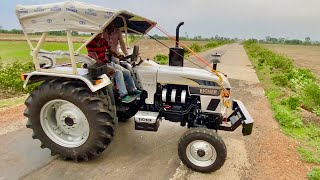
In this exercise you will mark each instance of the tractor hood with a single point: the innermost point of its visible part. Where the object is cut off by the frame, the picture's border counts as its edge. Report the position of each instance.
(188, 76)
(150, 74)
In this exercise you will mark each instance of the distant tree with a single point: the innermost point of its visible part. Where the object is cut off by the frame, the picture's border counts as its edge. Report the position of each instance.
(75, 33)
(199, 37)
(294, 41)
(16, 31)
(307, 39)
(282, 40)
(273, 40)
(268, 38)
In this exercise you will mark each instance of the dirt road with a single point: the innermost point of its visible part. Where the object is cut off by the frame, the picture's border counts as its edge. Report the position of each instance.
(266, 154)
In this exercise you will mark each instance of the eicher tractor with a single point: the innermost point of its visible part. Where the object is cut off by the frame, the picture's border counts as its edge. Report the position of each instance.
(74, 111)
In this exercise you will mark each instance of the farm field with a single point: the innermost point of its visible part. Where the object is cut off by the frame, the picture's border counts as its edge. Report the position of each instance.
(14, 46)
(303, 56)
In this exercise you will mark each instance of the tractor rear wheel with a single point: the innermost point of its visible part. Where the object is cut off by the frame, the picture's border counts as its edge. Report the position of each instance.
(202, 150)
(71, 120)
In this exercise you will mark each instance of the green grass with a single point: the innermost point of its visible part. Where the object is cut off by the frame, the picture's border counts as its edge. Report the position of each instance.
(161, 59)
(308, 155)
(12, 101)
(14, 50)
(314, 174)
(19, 50)
(288, 88)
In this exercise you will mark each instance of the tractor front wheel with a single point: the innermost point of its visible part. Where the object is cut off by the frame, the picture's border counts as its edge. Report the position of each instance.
(202, 150)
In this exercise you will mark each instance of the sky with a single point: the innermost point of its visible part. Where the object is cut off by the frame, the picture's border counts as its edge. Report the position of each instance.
(293, 19)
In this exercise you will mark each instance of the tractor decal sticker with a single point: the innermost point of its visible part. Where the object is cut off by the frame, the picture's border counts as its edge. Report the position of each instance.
(213, 104)
(23, 11)
(108, 15)
(90, 12)
(82, 22)
(72, 9)
(38, 9)
(55, 9)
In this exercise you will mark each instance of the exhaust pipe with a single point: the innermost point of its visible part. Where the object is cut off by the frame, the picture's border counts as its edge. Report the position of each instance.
(177, 33)
(176, 54)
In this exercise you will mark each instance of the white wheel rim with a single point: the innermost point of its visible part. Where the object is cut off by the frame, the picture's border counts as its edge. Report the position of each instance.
(201, 153)
(64, 123)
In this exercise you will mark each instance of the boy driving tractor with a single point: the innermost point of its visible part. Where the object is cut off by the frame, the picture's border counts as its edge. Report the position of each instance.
(97, 50)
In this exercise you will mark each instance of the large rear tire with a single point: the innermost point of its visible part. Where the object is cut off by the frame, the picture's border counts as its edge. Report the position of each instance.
(202, 150)
(71, 120)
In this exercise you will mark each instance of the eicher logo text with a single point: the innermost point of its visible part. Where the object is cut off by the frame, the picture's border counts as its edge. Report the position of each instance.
(208, 91)
(145, 120)
(205, 91)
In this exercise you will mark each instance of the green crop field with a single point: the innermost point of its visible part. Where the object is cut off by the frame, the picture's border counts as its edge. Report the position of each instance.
(19, 50)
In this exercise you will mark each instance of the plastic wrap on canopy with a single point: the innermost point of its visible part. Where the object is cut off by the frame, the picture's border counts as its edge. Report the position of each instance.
(76, 16)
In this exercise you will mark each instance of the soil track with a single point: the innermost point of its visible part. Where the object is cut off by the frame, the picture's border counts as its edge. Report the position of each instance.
(11, 119)
(266, 154)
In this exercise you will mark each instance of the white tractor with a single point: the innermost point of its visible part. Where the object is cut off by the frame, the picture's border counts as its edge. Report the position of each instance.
(74, 111)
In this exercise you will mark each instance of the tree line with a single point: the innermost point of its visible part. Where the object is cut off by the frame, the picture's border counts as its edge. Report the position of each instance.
(273, 40)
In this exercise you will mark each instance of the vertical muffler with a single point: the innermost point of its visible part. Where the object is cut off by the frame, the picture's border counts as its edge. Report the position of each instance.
(176, 54)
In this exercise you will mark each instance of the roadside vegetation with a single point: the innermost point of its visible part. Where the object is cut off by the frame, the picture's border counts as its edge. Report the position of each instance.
(292, 91)
(161, 59)
(314, 174)
(195, 47)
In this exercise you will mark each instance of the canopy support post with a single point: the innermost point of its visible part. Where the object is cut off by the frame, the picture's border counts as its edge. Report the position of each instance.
(71, 51)
(37, 49)
(136, 31)
(29, 41)
(125, 30)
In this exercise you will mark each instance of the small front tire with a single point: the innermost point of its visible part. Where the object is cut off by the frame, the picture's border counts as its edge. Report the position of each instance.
(202, 150)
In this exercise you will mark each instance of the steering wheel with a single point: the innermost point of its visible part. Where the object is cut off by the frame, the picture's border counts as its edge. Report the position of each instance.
(133, 56)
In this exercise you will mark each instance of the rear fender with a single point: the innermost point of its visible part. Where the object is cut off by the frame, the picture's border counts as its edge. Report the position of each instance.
(35, 76)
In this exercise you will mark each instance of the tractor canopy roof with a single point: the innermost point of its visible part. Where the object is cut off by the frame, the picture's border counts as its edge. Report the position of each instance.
(77, 16)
